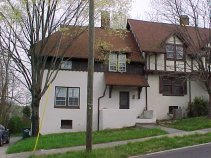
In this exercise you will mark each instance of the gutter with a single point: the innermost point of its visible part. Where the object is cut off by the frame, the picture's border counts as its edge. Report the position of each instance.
(98, 108)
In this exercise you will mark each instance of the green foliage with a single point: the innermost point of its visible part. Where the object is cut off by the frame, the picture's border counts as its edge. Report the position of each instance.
(16, 124)
(199, 107)
(191, 124)
(138, 148)
(75, 139)
(26, 112)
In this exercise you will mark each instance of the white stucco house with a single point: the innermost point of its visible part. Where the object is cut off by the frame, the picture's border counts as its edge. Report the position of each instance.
(169, 64)
(138, 78)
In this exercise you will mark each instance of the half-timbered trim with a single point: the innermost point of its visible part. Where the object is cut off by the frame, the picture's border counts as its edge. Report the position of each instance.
(156, 62)
(165, 62)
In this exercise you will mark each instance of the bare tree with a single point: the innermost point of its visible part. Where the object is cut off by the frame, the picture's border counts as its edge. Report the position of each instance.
(9, 91)
(28, 26)
(197, 37)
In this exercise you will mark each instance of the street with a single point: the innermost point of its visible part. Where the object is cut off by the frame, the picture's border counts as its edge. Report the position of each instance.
(201, 151)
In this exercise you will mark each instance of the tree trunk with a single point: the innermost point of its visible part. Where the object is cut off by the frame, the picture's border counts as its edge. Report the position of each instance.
(35, 116)
(209, 107)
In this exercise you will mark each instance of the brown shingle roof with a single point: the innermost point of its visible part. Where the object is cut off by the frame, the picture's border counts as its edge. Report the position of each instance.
(113, 40)
(151, 35)
(124, 79)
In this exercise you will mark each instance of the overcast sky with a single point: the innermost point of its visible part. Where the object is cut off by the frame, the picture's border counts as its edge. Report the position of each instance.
(139, 9)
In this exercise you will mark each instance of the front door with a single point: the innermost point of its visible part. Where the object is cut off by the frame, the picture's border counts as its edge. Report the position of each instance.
(124, 100)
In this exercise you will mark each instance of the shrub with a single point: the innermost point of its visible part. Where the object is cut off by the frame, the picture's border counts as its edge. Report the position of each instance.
(16, 124)
(199, 107)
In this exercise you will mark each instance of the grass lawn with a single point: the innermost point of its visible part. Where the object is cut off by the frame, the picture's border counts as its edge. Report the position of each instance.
(76, 139)
(131, 149)
(190, 124)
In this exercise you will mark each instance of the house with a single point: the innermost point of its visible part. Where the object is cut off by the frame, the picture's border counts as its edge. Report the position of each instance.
(169, 60)
(119, 81)
(140, 75)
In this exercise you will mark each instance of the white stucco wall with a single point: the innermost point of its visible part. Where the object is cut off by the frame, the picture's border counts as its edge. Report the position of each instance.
(117, 118)
(53, 116)
(160, 103)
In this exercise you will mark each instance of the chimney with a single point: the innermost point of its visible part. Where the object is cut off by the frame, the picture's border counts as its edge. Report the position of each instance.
(184, 20)
(105, 19)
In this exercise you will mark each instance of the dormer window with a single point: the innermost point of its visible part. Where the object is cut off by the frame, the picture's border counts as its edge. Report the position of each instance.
(174, 52)
(117, 62)
(174, 49)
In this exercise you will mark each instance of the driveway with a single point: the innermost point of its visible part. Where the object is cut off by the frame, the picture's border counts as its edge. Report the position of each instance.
(3, 148)
(198, 151)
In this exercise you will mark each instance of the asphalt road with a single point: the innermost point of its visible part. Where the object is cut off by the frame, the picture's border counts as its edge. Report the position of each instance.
(201, 151)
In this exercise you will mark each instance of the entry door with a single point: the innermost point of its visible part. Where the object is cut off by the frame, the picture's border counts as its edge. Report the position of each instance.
(124, 100)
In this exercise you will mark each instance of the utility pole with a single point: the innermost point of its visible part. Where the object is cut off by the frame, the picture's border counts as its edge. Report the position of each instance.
(90, 78)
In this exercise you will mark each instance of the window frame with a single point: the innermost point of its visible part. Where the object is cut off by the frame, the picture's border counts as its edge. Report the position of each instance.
(67, 106)
(118, 62)
(70, 126)
(63, 63)
(122, 61)
(172, 83)
(113, 63)
(175, 55)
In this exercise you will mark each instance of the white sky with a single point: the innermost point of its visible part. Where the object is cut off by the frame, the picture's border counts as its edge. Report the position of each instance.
(139, 9)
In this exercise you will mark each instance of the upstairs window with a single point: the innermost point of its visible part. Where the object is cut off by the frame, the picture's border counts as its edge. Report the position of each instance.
(66, 65)
(174, 52)
(113, 62)
(171, 86)
(174, 49)
(122, 63)
(67, 97)
(117, 62)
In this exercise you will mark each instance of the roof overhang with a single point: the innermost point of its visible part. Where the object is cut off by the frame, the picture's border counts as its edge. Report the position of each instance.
(126, 80)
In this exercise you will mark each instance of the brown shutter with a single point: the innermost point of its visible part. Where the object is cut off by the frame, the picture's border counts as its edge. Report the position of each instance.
(185, 87)
(160, 85)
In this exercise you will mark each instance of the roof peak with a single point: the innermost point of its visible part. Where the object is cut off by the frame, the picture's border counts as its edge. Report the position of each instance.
(163, 23)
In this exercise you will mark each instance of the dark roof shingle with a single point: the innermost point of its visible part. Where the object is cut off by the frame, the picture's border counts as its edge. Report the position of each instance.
(151, 35)
(115, 41)
(125, 79)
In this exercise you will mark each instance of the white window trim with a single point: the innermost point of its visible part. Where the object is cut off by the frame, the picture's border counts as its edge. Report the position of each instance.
(122, 61)
(115, 60)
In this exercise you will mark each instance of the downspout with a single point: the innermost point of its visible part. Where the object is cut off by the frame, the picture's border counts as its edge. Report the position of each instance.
(146, 99)
(98, 108)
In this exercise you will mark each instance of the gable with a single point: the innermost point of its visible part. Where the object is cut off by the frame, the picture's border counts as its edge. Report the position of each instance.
(174, 40)
(151, 36)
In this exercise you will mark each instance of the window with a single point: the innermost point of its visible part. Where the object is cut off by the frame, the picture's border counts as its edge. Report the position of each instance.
(67, 97)
(61, 94)
(113, 62)
(170, 51)
(122, 63)
(66, 124)
(179, 52)
(117, 62)
(66, 65)
(172, 108)
(171, 86)
(174, 52)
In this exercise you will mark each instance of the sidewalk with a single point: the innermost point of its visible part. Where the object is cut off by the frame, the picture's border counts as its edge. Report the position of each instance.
(172, 133)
